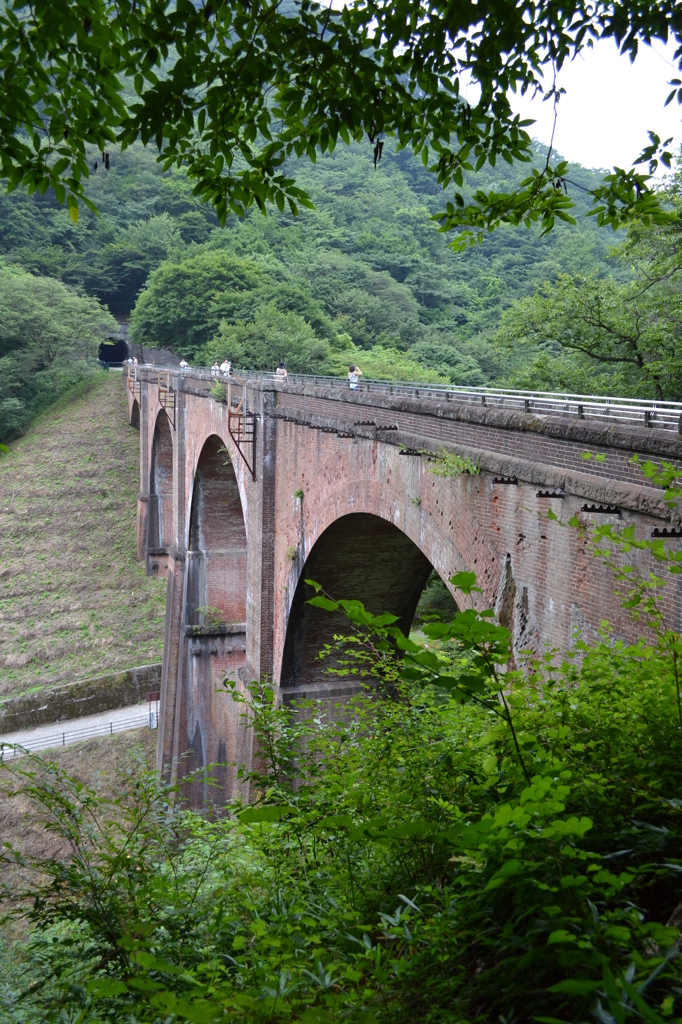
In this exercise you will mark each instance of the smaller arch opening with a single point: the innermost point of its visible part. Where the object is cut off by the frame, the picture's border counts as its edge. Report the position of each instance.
(160, 530)
(135, 415)
(217, 542)
(436, 603)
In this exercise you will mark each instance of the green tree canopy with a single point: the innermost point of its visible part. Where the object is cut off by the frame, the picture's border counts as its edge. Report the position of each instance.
(630, 332)
(231, 89)
(49, 336)
(41, 320)
(367, 262)
(181, 306)
(271, 337)
(118, 270)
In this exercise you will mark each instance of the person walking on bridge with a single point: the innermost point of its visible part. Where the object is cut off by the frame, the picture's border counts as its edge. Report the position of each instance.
(215, 369)
(281, 372)
(184, 365)
(226, 367)
(354, 373)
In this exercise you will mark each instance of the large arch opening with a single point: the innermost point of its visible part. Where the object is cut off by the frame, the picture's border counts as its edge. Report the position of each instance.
(214, 621)
(160, 522)
(360, 556)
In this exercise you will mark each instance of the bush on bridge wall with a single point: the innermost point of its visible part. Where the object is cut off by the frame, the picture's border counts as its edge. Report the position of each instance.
(479, 845)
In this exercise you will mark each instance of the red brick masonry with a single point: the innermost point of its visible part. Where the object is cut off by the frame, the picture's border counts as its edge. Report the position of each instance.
(336, 498)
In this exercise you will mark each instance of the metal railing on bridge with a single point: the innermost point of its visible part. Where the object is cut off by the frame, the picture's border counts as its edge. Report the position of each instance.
(633, 411)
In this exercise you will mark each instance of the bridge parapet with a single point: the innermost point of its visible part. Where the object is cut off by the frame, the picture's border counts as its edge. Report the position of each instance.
(635, 412)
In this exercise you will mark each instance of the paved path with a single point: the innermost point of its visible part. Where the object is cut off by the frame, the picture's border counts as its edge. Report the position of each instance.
(62, 734)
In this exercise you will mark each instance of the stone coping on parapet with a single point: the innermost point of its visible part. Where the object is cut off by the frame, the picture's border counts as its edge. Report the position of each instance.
(643, 498)
(648, 440)
(604, 491)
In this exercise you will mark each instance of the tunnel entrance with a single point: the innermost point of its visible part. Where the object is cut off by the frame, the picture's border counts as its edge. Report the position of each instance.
(362, 557)
(113, 351)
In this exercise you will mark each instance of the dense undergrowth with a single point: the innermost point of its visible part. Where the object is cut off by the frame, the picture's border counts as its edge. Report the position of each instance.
(467, 843)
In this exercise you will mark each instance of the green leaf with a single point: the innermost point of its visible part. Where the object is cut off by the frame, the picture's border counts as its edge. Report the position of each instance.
(619, 933)
(72, 205)
(408, 828)
(471, 684)
(315, 1015)
(271, 812)
(336, 821)
(145, 984)
(511, 867)
(323, 602)
(575, 987)
(105, 988)
(466, 582)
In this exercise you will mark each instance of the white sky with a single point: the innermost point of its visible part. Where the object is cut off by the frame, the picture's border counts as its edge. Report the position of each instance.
(609, 106)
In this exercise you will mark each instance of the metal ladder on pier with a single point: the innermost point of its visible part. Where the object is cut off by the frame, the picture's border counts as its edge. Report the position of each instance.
(241, 426)
(167, 395)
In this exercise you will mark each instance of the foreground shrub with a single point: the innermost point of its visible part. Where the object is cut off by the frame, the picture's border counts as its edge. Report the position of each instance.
(464, 843)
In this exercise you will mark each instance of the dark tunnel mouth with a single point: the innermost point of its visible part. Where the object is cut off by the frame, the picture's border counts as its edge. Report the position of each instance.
(113, 352)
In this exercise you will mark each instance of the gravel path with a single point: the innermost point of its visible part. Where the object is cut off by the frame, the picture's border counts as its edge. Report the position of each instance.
(63, 734)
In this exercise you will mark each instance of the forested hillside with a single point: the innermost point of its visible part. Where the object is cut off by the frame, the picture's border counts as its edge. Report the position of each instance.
(365, 276)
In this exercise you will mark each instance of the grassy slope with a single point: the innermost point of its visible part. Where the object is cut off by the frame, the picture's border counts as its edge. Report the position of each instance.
(74, 601)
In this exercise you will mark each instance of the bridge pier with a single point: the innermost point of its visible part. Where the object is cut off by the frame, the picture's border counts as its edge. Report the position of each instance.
(171, 671)
(142, 526)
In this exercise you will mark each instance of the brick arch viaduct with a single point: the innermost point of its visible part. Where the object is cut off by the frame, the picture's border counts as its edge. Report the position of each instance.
(242, 500)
